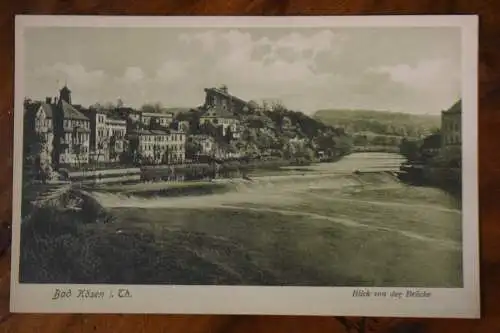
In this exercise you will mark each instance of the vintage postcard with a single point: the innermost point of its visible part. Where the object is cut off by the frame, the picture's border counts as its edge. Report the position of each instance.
(246, 165)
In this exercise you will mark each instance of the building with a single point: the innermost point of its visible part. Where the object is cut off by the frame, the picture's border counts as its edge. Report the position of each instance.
(162, 146)
(236, 131)
(451, 133)
(38, 138)
(219, 110)
(43, 125)
(222, 109)
(117, 130)
(220, 97)
(71, 131)
(223, 121)
(156, 119)
(184, 125)
(206, 144)
(107, 139)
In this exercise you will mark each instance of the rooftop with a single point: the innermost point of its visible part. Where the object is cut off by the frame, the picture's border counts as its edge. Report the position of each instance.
(48, 109)
(69, 112)
(158, 114)
(456, 108)
(154, 132)
(224, 92)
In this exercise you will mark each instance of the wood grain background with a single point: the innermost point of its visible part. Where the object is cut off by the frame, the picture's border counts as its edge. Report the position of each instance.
(489, 158)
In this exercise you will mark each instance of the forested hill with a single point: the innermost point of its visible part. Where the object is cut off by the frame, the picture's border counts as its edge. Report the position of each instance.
(380, 122)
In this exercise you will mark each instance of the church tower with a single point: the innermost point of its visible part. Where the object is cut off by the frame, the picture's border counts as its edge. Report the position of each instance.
(65, 94)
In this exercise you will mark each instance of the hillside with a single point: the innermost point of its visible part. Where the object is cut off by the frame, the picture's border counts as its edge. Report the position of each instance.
(380, 122)
(286, 133)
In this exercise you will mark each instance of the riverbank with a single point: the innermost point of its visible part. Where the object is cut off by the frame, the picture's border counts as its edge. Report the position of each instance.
(270, 233)
(447, 179)
(331, 228)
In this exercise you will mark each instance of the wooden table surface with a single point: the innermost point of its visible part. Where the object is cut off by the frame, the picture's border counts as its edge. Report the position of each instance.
(489, 158)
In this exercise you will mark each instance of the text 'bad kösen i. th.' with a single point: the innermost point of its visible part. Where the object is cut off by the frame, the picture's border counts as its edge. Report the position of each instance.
(89, 293)
(409, 293)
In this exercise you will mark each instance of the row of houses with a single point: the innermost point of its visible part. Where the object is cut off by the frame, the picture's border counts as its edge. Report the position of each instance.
(74, 135)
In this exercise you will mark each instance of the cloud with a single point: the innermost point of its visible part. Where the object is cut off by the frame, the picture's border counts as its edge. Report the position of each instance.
(433, 84)
(172, 70)
(421, 76)
(308, 69)
(133, 75)
(260, 67)
(74, 74)
(324, 40)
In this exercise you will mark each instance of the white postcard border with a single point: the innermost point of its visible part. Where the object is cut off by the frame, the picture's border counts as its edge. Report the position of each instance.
(443, 302)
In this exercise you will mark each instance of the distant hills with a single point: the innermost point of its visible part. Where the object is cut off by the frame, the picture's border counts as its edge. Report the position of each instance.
(369, 128)
(380, 122)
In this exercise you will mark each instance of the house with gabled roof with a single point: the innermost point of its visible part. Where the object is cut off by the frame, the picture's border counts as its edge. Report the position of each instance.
(71, 131)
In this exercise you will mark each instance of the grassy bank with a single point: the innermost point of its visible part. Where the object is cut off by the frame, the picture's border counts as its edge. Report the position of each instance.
(359, 236)
(62, 248)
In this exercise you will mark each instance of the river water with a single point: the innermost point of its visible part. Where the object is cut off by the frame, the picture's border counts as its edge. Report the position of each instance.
(318, 225)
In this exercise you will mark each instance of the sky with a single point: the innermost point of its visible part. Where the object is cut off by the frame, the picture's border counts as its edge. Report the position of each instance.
(414, 70)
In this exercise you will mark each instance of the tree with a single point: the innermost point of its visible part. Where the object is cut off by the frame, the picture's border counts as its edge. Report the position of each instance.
(193, 149)
(410, 149)
(78, 152)
(360, 140)
(229, 135)
(109, 106)
(274, 105)
(152, 107)
(113, 153)
(289, 150)
(101, 147)
(96, 106)
(157, 154)
(37, 155)
(132, 155)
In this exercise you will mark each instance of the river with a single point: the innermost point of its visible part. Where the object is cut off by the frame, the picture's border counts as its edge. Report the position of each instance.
(320, 225)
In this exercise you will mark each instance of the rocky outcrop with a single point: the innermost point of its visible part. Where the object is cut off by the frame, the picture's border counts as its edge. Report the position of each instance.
(67, 201)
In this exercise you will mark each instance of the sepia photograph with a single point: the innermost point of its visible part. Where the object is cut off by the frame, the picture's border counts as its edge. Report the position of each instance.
(246, 153)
